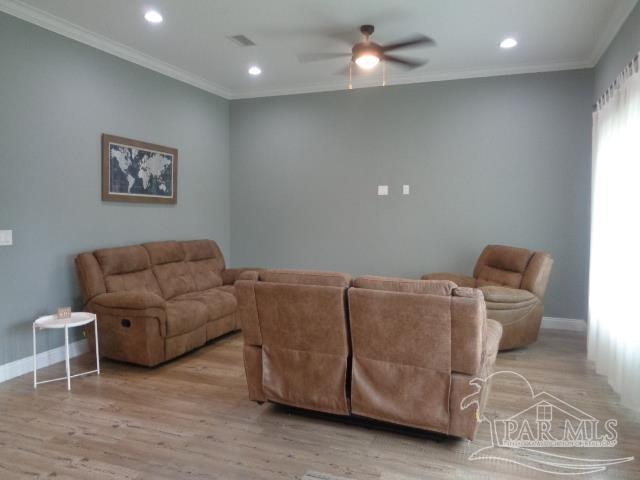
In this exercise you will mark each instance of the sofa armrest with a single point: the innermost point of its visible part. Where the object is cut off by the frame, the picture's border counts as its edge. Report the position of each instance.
(136, 300)
(460, 280)
(497, 294)
(231, 275)
(132, 306)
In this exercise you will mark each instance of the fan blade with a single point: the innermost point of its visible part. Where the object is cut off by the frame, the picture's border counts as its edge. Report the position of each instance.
(318, 57)
(409, 42)
(405, 62)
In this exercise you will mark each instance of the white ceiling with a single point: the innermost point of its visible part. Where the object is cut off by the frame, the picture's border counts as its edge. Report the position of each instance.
(191, 45)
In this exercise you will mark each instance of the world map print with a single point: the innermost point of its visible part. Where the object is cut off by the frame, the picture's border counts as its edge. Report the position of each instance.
(135, 171)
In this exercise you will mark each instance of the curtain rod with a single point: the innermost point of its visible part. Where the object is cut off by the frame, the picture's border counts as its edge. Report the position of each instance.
(618, 81)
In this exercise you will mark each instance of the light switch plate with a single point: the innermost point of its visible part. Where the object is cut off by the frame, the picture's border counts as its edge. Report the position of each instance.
(405, 189)
(383, 190)
(6, 238)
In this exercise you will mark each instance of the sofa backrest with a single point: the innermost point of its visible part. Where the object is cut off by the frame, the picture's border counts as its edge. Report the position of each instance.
(303, 326)
(167, 268)
(127, 269)
(205, 261)
(170, 269)
(408, 336)
(513, 267)
(501, 265)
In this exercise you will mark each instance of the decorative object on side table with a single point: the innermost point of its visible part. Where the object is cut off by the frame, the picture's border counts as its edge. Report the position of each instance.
(134, 171)
(64, 319)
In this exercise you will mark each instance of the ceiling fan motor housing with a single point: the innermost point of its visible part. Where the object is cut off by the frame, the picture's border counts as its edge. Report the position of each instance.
(366, 30)
(366, 48)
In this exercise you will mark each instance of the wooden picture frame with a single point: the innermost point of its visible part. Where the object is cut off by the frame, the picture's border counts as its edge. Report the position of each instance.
(140, 172)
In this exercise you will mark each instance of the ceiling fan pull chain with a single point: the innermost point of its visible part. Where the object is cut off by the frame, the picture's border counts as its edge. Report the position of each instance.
(384, 74)
(350, 84)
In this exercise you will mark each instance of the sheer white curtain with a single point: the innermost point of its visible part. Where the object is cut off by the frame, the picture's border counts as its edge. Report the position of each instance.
(614, 286)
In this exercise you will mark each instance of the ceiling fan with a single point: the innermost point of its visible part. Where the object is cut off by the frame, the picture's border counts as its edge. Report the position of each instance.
(366, 54)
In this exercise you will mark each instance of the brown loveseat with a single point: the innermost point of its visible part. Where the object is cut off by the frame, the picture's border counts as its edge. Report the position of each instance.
(513, 281)
(395, 350)
(158, 300)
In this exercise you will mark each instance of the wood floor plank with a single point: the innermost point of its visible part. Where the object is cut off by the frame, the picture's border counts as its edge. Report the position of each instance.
(191, 419)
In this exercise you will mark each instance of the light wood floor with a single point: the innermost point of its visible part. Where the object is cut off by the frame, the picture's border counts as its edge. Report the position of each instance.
(191, 419)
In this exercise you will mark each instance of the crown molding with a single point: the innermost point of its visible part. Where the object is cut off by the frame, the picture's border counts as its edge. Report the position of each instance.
(613, 26)
(406, 79)
(75, 32)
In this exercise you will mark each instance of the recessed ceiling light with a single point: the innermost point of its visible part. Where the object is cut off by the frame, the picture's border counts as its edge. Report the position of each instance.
(255, 70)
(153, 17)
(508, 43)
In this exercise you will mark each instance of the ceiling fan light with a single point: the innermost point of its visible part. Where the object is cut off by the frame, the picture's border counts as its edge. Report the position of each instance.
(508, 43)
(153, 16)
(367, 61)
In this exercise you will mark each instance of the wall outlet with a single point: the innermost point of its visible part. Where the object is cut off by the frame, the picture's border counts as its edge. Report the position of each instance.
(6, 238)
(405, 189)
(383, 190)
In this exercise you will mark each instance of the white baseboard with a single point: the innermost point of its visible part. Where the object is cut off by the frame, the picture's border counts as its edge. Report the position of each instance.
(55, 355)
(25, 365)
(556, 323)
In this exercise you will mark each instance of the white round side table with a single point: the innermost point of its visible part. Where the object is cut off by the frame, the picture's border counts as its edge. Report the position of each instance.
(77, 319)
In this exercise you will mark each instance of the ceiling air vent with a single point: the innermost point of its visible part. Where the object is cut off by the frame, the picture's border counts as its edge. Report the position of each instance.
(242, 40)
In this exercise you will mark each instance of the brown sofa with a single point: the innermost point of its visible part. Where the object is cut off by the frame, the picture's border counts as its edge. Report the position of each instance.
(395, 350)
(158, 300)
(513, 281)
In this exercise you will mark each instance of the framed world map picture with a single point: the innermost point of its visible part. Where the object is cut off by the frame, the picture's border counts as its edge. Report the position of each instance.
(134, 171)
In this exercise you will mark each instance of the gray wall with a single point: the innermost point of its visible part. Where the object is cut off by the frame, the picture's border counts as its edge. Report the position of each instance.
(622, 49)
(495, 160)
(56, 98)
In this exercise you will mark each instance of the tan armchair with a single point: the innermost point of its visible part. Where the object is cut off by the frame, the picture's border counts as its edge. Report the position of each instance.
(513, 281)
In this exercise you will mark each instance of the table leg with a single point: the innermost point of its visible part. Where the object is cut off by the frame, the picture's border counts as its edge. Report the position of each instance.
(95, 324)
(35, 359)
(66, 350)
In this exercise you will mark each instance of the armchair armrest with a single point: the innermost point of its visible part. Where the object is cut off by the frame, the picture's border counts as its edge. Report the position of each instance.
(231, 275)
(136, 300)
(460, 280)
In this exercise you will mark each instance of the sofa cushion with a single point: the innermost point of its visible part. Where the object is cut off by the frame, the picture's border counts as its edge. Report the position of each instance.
(185, 316)
(118, 260)
(217, 302)
(164, 252)
(506, 295)
(391, 284)
(170, 269)
(502, 257)
(143, 280)
(227, 289)
(306, 277)
(205, 262)
(205, 273)
(203, 250)
(502, 265)
(174, 278)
